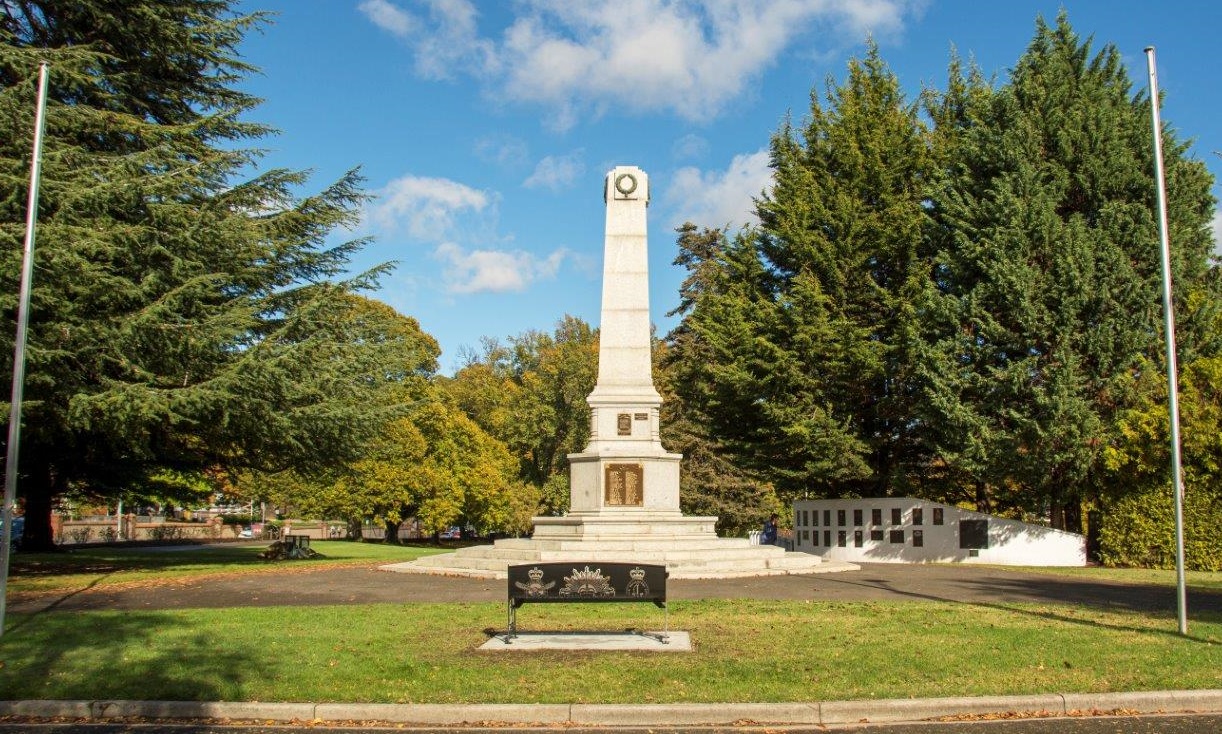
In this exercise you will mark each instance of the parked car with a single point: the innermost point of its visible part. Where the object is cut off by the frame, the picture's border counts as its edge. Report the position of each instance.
(452, 533)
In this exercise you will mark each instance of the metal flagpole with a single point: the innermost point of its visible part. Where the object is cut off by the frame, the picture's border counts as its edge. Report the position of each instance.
(1173, 405)
(23, 318)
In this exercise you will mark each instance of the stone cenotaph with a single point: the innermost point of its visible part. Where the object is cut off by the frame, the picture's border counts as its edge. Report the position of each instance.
(624, 487)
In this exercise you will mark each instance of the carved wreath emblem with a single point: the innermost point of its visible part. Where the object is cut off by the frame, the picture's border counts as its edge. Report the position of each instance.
(625, 183)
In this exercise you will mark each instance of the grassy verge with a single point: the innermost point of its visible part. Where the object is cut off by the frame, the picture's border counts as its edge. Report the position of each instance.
(97, 567)
(744, 651)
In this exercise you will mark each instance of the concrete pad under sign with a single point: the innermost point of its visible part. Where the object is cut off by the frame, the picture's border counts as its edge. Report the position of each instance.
(532, 641)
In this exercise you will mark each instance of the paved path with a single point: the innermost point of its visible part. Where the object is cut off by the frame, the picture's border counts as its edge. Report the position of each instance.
(874, 582)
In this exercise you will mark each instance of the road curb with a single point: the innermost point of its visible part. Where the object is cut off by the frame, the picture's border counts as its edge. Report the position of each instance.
(917, 709)
(677, 714)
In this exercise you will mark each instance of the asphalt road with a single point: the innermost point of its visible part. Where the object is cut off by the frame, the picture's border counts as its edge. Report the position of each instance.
(300, 586)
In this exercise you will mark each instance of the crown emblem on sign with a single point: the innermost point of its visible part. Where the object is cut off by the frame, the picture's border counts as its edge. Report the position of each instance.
(535, 574)
(636, 574)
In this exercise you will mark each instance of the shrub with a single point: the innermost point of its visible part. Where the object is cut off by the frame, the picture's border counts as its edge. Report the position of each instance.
(166, 532)
(109, 535)
(79, 535)
(1139, 529)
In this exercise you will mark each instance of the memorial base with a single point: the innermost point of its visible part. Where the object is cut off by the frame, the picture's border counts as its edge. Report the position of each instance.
(687, 546)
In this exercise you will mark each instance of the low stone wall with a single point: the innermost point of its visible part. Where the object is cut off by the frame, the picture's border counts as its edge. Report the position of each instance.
(81, 532)
(313, 531)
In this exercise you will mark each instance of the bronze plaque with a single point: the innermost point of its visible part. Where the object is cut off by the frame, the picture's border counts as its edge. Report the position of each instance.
(624, 485)
(623, 424)
(641, 416)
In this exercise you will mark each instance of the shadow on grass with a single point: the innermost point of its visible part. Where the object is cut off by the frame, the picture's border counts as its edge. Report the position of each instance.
(137, 656)
(1112, 597)
(52, 606)
(111, 559)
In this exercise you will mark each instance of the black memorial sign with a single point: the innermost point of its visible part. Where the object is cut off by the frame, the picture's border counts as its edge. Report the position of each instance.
(594, 581)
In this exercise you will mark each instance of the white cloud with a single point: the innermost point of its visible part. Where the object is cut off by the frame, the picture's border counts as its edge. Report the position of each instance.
(689, 57)
(688, 147)
(389, 17)
(556, 172)
(859, 18)
(495, 271)
(446, 40)
(503, 150)
(718, 198)
(425, 208)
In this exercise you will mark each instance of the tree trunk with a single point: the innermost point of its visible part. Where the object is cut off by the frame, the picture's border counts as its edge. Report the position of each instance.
(1071, 516)
(38, 487)
(983, 503)
(355, 528)
(392, 532)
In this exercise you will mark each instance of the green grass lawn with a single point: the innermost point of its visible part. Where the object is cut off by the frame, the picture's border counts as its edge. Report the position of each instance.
(95, 567)
(744, 651)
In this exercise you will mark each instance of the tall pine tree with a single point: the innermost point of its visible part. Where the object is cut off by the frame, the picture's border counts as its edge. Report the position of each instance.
(182, 315)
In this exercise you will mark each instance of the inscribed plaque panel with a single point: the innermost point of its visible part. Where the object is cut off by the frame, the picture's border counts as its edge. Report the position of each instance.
(624, 485)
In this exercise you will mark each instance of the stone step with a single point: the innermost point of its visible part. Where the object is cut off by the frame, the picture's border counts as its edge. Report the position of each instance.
(491, 569)
(677, 563)
(692, 553)
(676, 552)
(710, 557)
(611, 545)
(510, 554)
(451, 561)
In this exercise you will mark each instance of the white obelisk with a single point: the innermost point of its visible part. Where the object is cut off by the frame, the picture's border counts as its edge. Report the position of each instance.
(624, 482)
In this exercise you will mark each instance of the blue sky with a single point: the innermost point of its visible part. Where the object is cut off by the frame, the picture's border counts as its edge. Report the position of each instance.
(484, 127)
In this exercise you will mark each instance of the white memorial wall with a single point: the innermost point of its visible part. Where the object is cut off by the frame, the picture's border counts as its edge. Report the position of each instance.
(911, 530)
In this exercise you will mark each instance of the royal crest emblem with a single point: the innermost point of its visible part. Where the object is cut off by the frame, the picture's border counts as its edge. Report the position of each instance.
(535, 587)
(636, 585)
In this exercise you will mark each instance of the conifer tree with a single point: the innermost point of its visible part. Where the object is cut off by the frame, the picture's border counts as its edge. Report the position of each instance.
(182, 315)
(744, 364)
(958, 405)
(842, 234)
(716, 480)
(1050, 260)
